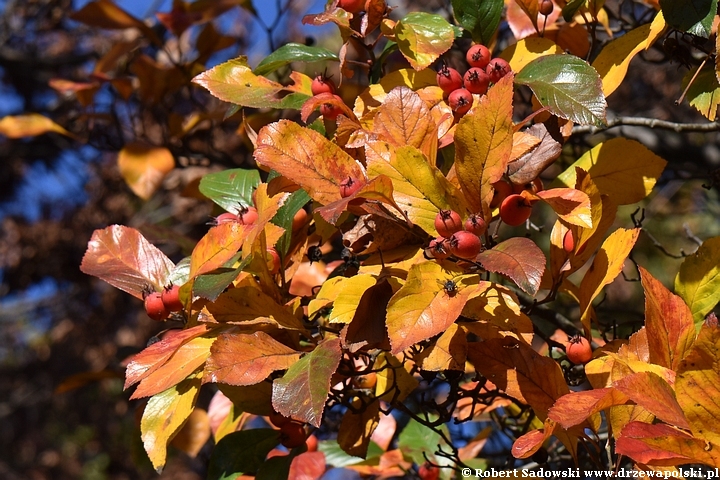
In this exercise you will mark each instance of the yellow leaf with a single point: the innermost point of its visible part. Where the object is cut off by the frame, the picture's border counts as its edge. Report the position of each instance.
(607, 265)
(496, 313)
(522, 144)
(448, 352)
(356, 428)
(144, 167)
(394, 381)
(528, 49)
(483, 143)
(164, 414)
(622, 168)
(423, 37)
(570, 204)
(657, 29)
(613, 61)
(404, 119)
(698, 281)
(375, 94)
(348, 298)
(327, 294)
(29, 125)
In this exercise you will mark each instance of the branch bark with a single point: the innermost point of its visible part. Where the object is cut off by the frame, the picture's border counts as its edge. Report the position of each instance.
(650, 123)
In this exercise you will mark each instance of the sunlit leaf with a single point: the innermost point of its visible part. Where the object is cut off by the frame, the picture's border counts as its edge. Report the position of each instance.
(422, 37)
(691, 16)
(403, 119)
(526, 445)
(480, 17)
(519, 54)
(348, 298)
(483, 143)
(704, 93)
(448, 352)
(622, 168)
(241, 452)
(302, 392)
(651, 392)
(29, 125)
(218, 246)
(698, 281)
(231, 188)
(246, 305)
(394, 381)
(163, 416)
(306, 466)
(576, 407)
(367, 328)
(144, 167)
(293, 52)
(614, 59)
(567, 85)
(519, 259)
(496, 313)
(122, 257)
(375, 94)
(661, 444)
(379, 189)
(244, 359)
(571, 205)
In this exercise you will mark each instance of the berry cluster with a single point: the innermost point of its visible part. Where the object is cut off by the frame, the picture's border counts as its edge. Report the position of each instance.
(159, 305)
(483, 71)
(458, 238)
(292, 433)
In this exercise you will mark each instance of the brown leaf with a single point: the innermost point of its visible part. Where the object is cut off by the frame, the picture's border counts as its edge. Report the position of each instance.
(662, 444)
(526, 168)
(193, 436)
(356, 428)
(668, 323)
(242, 359)
(122, 257)
(105, 14)
(520, 259)
(367, 328)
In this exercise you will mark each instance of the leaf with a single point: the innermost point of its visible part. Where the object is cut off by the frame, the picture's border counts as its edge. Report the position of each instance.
(698, 384)
(29, 125)
(422, 308)
(163, 416)
(662, 444)
(122, 257)
(519, 259)
(375, 94)
(211, 285)
(243, 359)
(526, 445)
(144, 167)
(571, 205)
(576, 407)
(423, 37)
(569, 10)
(480, 17)
(231, 188)
(526, 168)
(241, 452)
(698, 281)
(247, 305)
(254, 399)
(704, 93)
(497, 314)
(348, 298)
(691, 16)
(234, 82)
(519, 54)
(668, 322)
(624, 169)
(284, 218)
(404, 119)
(566, 84)
(307, 466)
(293, 52)
(183, 363)
(105, 14)
(307, 158)
(483, 143)
(379, 189)
(653, 393)
(357, 426)
(394, 381)
(302, 392)
(607, 265)
(218, 246)
(420, 443)
(614, 59)
(194, 434)
(448, 352)
(367, 328)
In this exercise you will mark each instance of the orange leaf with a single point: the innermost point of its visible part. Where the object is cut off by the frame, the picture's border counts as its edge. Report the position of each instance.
(497, 314)
(448, 352)
(650, 391)
(357, 426)
(571, 205)
(219, 245)
(379, 188)
(29, 125)
(576, 407)
(241, 359)
(523, 142)
(144, 167)
(698, 384)
(661, 444)
(668, 322)
(520, 259)
(526, 445)
(105, 14)
(247, 305)
(483, 143)
(316, 101)
(194, 434)
(307, 466)
(122, 257)
(307, 158)
(404, 119)
(524, 168)
(367, 328)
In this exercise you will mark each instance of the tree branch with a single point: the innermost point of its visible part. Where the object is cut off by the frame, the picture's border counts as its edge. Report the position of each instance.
(650, 123)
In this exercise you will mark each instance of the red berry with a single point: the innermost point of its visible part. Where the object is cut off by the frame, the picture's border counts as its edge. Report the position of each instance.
(545, 7)
(171, 298)
(247, 215)
(497, 69)
(428, 472)
(579, 350)
(352, 6)
(447, 222)
(312, 443)
(478, 56)
(460, 101)
(476, 81)
(533, 187)
(349, 186)
(465, 245)
(515, 210)
(330, 111)
(154, 306)
(292, 435)
(475, 224)
(273, 261)
(322, 84)
(568, 241)
(449, 79)
(502, 190)
(225, 218)
(439, 248)
(278, 419)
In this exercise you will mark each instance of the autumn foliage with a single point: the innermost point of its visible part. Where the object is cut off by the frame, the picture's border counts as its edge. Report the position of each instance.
(380, 253)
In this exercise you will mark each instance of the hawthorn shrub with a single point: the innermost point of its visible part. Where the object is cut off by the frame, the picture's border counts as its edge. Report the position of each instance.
(402, 321)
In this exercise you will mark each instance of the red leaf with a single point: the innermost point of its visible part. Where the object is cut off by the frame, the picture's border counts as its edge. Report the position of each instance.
(241, 359)
(155, 356)
(526, 445)
(302, 392)
(379, 188)
(307, 466)
(652, 392)
(576, 407)
(660, 444)
(122, 257)
(313, 103)
(668, 322)
(520, 259)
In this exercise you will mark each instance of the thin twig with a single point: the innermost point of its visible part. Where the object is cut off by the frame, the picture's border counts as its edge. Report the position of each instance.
(650, 123)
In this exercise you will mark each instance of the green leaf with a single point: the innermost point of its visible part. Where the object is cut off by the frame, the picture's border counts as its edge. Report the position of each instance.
(698, 281)
(480, 17)
(566, 84)
(569, 10)
(336, 457)
(704, 93)
(423, 37)
(691, 16)
(231, 188)
(284, 218)
(293, 52)
(212, 284)
(417, 441)
(241, 452)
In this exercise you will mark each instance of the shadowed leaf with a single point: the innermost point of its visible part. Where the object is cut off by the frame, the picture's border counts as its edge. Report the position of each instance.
(698, 281)
(357, 427)
(241, 452)
(662, 444)
(519, 259)
(571, 205)
(231, 189)
(576, 407)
